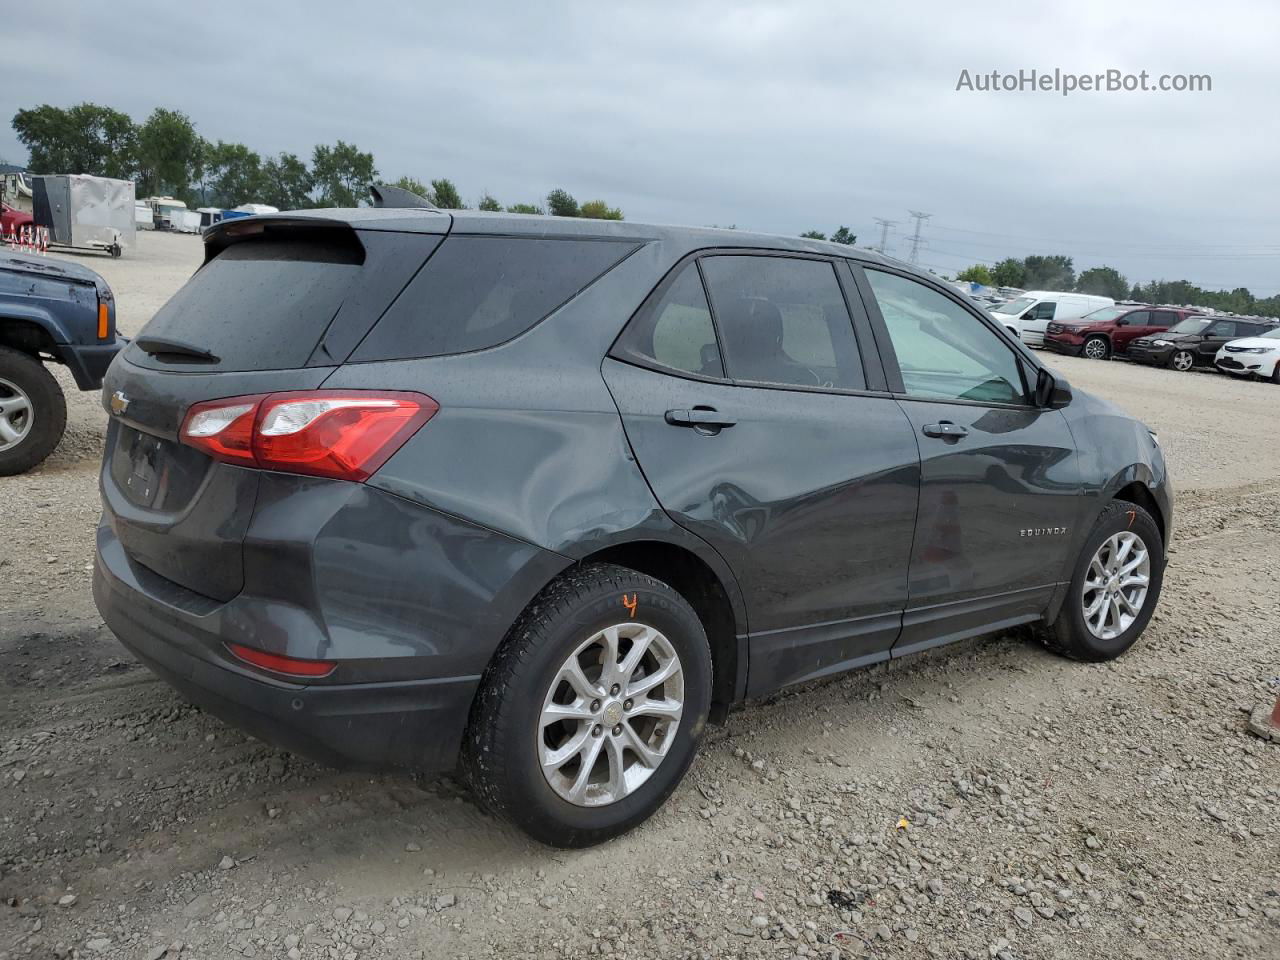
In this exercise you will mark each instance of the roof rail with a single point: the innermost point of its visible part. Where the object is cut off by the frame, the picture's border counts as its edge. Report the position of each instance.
(389, 197)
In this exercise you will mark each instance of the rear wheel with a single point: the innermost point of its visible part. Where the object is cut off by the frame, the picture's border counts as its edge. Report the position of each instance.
(1115, 586)
(1097, 348)
(1182, 360)
(33, 412)
(591, 712)
(1275, 373)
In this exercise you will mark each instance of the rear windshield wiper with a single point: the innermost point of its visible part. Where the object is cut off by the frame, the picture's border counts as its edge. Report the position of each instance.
(159, 346)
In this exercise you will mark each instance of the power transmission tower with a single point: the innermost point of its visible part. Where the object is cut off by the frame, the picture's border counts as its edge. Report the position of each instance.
(885, 226)
(915, 239)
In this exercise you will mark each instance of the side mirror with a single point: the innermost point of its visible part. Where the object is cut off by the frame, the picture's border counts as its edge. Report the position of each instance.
(1052, 392)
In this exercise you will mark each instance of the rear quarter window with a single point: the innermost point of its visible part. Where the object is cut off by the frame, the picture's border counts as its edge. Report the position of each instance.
(477, 292)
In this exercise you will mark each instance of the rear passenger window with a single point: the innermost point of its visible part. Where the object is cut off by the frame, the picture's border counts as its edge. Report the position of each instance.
(1163, 318)
(783, 321)
(1139, 318)
(478, 292)
(676, 332)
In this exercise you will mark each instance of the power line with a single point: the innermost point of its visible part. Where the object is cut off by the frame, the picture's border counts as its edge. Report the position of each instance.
(915, 239)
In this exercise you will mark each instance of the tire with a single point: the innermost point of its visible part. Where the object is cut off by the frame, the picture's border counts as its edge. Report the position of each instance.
(1182, 360)
(1096, 348)
(1275, 373)
(33, 411)
(1071, 634)
(509, 736)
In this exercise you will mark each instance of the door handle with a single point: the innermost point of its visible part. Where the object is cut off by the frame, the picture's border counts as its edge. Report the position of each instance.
(945, 429)
(699, 417)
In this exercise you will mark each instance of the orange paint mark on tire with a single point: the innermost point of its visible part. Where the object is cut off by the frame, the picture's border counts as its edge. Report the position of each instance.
(631, 603)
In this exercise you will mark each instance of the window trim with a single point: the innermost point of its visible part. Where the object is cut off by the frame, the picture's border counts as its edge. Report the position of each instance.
(888, 355)
(874, 374)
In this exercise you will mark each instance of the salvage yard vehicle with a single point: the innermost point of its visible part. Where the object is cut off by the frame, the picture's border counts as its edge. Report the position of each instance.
(1109, 331)
(1195, 341)
(540, 497)
(1029, 315)
(1252, 356)
(51, 311)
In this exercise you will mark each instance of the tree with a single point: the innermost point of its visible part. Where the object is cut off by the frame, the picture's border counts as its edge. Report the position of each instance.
(1009, 272)
(844, 236)
(1049, 272)
(85, 138)
(341, 174)
(487, 202)
(562, 204)
(978, 273)
(413, 185)
(1104, 281)
(445, 195)
(286, 182)
(599, 210)
(814, 235)
(169, 155)
(525, 208)
(232, 175)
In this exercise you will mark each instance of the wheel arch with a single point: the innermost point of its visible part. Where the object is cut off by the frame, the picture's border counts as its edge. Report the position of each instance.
(27, 335)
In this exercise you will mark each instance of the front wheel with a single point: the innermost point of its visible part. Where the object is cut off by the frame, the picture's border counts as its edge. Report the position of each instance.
(1115, 586)
(1182, 360)
(592, 710)
(1097, 348)
(33, 412)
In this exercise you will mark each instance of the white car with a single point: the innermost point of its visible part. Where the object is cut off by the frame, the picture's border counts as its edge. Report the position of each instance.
(1253, 356)
(1027, 316)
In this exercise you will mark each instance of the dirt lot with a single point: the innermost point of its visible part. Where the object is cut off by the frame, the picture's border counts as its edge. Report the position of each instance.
(988, 800)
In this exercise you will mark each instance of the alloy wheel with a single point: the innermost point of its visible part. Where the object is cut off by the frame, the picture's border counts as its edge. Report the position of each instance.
(1095, 349)
(16, 414)
(610, 715)
(1116, 584)
(1183, 361)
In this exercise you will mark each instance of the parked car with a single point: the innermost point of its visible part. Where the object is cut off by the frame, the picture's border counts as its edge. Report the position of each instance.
(1252, 356)
(1109, 331)
(543, 495)
(51, 311)
(12, 219)
(1194, 341)
(1029, 315)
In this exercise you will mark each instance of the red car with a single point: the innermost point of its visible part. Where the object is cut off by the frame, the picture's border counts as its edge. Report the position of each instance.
(1103, 333)
(11, 219)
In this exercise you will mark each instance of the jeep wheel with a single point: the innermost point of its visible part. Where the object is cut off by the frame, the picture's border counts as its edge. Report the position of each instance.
(1097, 348)
(33, 412)
(1115, 587)
(592, 710)
(1182, 360)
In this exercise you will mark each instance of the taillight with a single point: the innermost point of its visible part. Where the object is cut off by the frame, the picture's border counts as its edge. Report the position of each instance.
(278, 663)
(343, 434)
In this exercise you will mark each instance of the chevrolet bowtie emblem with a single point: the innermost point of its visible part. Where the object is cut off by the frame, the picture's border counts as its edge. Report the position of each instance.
(119, 403)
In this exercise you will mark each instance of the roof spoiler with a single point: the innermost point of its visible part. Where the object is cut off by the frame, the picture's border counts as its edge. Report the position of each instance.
(389, 197)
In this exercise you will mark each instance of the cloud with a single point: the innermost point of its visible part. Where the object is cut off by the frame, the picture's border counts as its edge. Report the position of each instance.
(775, 116)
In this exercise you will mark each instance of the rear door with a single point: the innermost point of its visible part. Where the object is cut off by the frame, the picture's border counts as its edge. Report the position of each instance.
(762, 423)
(1000, 485)
(1218, 333)
(1132, 325)
(263, 314)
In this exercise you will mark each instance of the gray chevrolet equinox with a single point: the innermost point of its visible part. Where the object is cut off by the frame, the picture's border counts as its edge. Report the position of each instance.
(536, 498)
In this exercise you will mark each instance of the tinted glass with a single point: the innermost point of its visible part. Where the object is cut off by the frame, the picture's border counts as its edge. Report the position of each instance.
(783, 321)
(1190, 325)
(1139, 318)
(944, 352)
(259, 304)
(1014, 307)
(1044, 310)
(675, 332)
(1163, 318)
(477, 292)
(1222, 328)
(1103, 315)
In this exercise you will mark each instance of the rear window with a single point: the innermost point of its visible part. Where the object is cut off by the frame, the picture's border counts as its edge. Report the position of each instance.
(259, 304)
(478, 292)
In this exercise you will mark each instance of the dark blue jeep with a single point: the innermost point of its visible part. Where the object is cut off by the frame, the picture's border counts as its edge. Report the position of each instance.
(50, 310)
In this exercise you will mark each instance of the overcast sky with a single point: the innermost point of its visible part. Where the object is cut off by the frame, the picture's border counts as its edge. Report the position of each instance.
(774, 116)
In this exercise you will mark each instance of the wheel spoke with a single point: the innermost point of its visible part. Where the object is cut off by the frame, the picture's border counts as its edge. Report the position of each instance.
(1092, 608)
(639, 646)
(667, 709)
(1134, 580)
(617, 768)
(8, 432)
(632, 740)
(609, 667)
(11, 406)
(555, 759)
(642, 686)
(1115, 611)
(572, 674)
(589, 756)
(555, 712)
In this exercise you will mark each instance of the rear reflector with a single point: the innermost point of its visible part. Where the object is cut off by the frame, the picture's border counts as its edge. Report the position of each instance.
(342, 434)
(289, 666)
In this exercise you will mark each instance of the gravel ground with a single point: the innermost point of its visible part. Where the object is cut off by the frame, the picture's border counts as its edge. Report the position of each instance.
(986, 800)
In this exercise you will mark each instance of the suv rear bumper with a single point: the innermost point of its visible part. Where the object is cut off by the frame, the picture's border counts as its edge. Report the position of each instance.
(417, 724)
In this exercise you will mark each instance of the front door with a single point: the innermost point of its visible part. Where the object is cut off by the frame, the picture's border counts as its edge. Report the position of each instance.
(1130, 327)
(1215, 335)
(767, 443)
(1000, 483)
